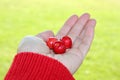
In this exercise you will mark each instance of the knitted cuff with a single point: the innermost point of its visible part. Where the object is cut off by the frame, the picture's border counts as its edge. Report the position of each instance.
(32, 66)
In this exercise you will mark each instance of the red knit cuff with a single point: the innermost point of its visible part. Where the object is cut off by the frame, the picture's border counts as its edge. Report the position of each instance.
(32, 66)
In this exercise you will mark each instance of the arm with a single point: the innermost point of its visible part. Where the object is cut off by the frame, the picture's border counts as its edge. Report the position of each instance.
(34, 60)
(34, 66)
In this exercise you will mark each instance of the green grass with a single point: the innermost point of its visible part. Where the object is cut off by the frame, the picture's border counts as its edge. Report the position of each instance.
(19, 18)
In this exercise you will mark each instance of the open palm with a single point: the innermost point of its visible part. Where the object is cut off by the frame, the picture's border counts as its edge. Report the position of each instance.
(81, 31)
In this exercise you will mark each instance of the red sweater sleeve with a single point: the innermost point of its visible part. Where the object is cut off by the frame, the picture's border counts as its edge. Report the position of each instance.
(31, 66)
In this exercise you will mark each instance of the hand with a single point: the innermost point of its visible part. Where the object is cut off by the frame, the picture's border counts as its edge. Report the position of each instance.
(81, 31)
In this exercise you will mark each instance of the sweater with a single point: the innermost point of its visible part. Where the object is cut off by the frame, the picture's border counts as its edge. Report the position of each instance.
(33, 66)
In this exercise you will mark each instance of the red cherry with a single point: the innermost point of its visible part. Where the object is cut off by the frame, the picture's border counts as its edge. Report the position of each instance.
(50, 42)
(67, 41)
(59, 47)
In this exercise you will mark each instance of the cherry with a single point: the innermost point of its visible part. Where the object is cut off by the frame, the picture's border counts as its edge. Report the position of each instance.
(59, 47)
(67, 41)
(50, 42)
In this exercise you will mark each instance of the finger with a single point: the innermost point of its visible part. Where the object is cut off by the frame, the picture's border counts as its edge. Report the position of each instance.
(79, 38)
(78, 26)
(88, 37)
(79, 47)
(77, 42)
(45, 35)
(74, 57)
(67, 26)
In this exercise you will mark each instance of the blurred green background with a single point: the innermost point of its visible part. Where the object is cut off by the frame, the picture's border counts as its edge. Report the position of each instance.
(19, 18)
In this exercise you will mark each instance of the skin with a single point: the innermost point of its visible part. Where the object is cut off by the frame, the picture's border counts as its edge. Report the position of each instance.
(81, 31)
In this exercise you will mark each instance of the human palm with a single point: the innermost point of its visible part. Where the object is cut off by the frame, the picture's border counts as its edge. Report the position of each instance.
(81, 31)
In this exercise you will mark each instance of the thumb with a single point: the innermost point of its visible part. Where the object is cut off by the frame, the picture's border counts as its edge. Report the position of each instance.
(45, 35)
(33, 44)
